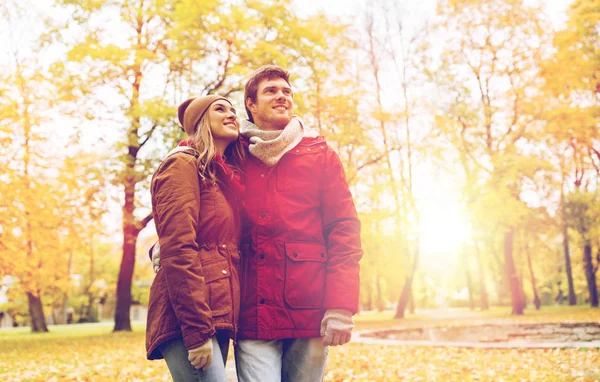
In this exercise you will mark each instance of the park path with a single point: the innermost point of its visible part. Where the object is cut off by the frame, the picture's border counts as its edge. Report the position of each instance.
(447, 314)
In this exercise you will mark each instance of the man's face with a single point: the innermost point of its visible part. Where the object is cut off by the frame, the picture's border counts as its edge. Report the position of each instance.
(274, 104)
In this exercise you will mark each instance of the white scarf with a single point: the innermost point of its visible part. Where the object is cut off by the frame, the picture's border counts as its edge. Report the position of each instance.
(269, 146)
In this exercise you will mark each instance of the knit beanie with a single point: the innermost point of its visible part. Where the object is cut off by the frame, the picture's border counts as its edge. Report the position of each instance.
(192, 110)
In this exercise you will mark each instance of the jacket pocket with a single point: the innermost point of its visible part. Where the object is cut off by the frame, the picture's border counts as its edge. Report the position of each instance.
(305, 269)
(216, 278)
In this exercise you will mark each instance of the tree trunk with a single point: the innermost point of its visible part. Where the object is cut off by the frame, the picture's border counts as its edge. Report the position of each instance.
(131, 227)
(590, 274)
(516, 292)
(536, 298)
(406, 294)
(411, 302)
(520, 266)
(66, 296)
(483, 295)
(36, 311)
(90, 304)
(568, 269)
(65, 308)
(122, 317)
(379, 297)
(89, 308)
(501, 279)
(404, 297)
(369, 287)
(55, 319)
(468, 276)
(34, 300)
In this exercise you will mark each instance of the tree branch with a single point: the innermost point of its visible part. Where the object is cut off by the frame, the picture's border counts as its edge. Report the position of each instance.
(233, 90)
(370, 162)
(144, 222)
(592, 150)
(220, 81)
(148, 135)
(466, 147)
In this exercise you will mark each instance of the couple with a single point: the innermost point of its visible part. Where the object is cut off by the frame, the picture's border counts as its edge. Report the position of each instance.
(259, 242)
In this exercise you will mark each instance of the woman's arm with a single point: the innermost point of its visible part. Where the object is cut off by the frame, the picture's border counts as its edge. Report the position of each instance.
(176, 204)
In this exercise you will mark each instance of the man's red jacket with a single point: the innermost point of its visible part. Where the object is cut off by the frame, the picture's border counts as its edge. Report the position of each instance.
(300, 243)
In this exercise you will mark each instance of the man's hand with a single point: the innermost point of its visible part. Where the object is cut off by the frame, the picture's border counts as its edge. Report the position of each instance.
(201, 357)
(336, 327)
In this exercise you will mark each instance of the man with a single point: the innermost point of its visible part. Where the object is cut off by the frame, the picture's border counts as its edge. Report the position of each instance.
(300, 242)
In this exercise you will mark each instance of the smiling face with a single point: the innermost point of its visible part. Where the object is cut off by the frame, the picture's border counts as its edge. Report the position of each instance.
(223, 123)
(274, 104)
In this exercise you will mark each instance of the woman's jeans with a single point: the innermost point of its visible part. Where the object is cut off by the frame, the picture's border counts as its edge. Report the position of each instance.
(293, 360)
(182, 370)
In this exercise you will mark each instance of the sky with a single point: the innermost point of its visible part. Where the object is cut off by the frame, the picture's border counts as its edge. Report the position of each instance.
(350, 9)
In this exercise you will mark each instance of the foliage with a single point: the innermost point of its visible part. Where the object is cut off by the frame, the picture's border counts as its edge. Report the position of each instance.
(383, 362)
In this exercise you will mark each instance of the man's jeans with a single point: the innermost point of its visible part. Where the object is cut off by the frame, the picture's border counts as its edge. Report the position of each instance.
(182, 370)
(294, 360)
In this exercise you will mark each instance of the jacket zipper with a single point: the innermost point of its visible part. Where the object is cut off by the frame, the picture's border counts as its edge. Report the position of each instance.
(232, 296)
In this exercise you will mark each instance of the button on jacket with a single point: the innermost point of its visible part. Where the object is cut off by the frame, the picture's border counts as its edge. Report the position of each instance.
(196, 290)
(300, 243)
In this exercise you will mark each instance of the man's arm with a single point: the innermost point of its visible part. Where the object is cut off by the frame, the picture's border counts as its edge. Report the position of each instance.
(341, 229)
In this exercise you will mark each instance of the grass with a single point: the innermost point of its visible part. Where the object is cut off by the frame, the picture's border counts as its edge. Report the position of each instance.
(63, 332)
(91, 352)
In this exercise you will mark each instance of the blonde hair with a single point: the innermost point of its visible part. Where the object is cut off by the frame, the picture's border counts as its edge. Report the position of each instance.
(203, 142)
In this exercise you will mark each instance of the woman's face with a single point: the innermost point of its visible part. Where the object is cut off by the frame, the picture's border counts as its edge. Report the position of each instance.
(223, 122)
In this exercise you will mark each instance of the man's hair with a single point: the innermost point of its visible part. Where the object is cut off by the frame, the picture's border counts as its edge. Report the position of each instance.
(267, 72)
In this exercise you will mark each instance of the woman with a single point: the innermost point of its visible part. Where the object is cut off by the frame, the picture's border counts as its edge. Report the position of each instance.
(194, 299)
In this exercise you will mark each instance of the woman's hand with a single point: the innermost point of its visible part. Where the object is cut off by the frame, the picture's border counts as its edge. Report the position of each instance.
(201, 357)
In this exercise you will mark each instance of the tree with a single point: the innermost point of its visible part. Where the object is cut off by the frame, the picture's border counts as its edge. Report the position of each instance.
(84, 195)
(565, 234)
(483, 294)
(391, 42)
(31, 216)
(577, 46)
(583, 212)
(572, 123)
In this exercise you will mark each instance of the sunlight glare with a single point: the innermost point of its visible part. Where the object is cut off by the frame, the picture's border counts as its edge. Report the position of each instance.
(443, 227)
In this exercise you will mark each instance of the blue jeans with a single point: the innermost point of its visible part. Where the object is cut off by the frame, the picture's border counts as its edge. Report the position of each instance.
(182, 370)
(294, 360)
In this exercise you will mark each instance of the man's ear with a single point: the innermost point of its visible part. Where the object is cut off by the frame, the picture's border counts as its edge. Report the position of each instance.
(250, 105)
